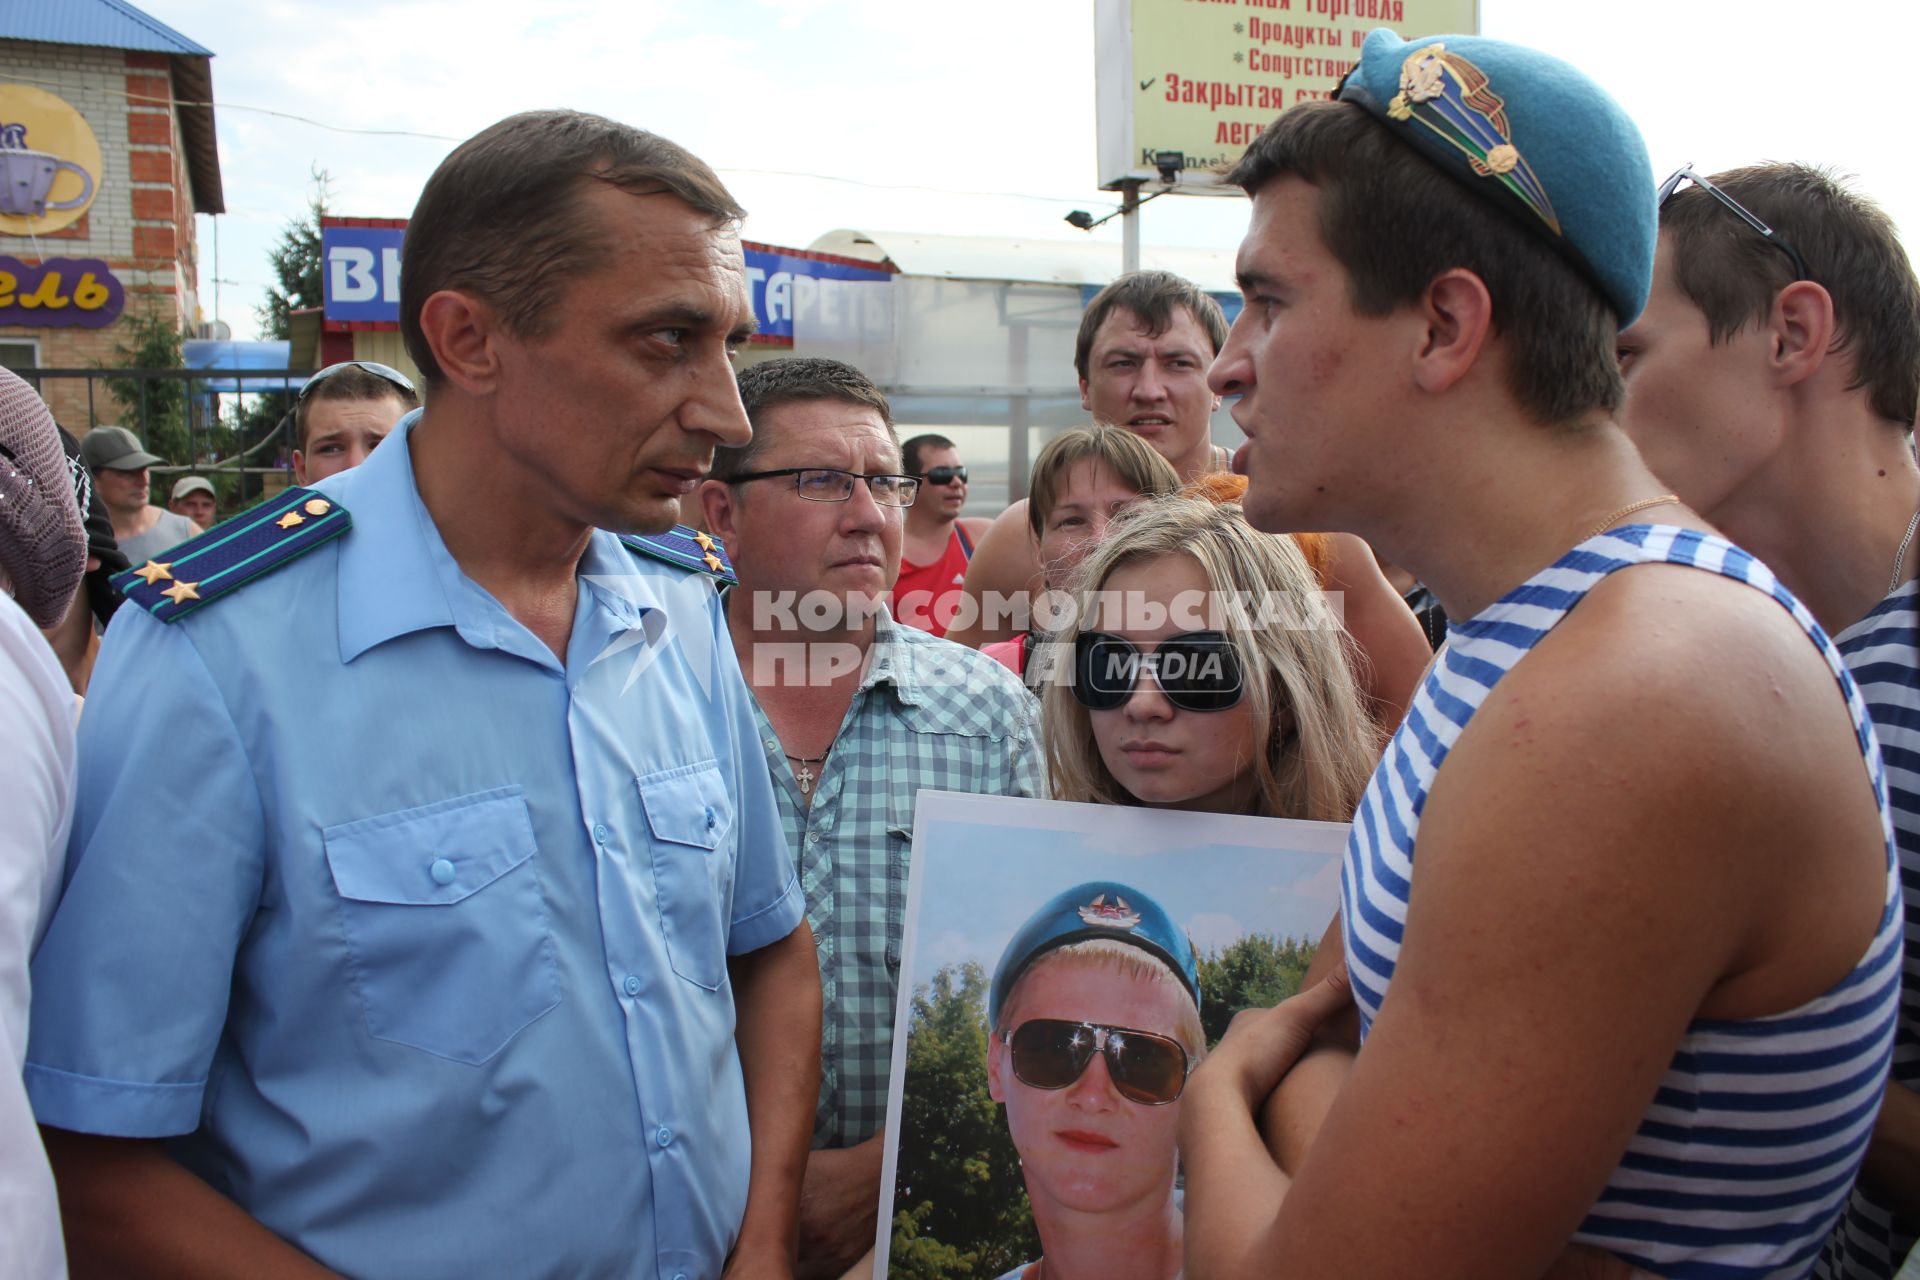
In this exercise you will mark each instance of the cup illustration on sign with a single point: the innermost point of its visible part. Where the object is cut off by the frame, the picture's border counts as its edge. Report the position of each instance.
(26, 176)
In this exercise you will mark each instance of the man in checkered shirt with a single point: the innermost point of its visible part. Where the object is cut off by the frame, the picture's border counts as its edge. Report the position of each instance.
(858, 714)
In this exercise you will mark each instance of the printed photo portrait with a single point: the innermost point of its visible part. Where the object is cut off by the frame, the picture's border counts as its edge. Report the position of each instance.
(1066, 968)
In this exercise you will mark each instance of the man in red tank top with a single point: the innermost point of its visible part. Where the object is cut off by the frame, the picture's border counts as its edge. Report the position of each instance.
(939, 540)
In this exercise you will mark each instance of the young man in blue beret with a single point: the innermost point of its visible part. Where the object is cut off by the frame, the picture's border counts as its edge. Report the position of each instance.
(1640, 994)
(1772, 382)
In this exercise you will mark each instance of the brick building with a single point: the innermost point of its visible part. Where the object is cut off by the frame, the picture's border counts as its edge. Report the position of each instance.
(106, 153)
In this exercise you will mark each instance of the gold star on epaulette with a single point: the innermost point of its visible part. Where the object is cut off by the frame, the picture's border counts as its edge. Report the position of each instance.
(713, 561)
(706, 543)
(181, 592)
(290, 519)
(153, 571)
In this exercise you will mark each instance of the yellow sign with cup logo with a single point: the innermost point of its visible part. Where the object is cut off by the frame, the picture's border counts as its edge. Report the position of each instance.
(50, 168)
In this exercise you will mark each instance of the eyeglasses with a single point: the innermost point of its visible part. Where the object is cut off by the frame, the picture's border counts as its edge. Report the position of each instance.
(392, 375)
(941, 477)
(823, 484)
(1197, 670)
(1686, 174)
(1052, 1053)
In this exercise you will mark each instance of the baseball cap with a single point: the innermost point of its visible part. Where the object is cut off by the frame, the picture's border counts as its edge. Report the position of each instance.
(115, 449)
(190, 484)
(1096, 909)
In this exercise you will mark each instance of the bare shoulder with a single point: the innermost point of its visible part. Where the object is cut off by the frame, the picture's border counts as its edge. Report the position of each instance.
(1687, 743)
(976, 526)
(1005, 565)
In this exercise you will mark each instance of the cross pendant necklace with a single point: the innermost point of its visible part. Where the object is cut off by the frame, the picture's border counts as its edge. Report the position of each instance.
(805, 775)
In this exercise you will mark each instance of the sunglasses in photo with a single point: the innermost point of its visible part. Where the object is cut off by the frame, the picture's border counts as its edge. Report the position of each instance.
(941, 477)
(1196, 670)
(386, 372)
(1052, 1053)
(1685, 173)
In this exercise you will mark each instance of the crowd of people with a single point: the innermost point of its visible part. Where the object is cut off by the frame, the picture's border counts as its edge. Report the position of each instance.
(489, 855)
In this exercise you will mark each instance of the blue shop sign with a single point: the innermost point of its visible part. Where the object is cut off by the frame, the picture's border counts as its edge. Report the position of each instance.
(784, 283)
(360, 272)
(361, 278)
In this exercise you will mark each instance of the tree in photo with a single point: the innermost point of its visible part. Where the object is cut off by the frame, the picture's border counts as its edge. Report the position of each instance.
(1257, 971)
(960, 1205)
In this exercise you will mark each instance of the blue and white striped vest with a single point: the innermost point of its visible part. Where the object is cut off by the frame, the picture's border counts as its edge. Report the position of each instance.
(1744, 1161)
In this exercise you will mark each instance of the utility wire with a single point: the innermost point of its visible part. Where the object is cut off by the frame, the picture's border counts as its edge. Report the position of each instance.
(441, 137)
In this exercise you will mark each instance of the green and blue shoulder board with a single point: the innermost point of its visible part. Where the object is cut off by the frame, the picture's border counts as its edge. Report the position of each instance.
(686, 548)
(234, 552)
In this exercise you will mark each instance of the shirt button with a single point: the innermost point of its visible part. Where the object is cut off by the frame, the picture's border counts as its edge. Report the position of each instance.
(442, 871)
(599, 833)
(632, 985)
(813, 837)
(664, 1136)
(711, 820)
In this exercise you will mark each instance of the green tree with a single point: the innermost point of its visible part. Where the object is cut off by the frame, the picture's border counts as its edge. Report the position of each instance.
(153, 409)
(960, 1203)
(296, 262)
(1256, 971)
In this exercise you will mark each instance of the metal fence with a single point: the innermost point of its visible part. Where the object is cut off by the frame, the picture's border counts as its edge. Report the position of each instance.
(230, 425)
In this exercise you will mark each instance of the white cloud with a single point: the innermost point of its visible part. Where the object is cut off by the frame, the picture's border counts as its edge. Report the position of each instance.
(1212, 931)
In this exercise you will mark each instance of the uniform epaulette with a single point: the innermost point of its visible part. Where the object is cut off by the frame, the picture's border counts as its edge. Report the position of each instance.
(686, 547)
(259, 540)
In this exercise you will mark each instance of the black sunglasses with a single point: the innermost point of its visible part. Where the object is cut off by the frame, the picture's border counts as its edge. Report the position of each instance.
(1197, 670)
(940, 477)
(1052, 1053)
(390, 374)
(1685, 173)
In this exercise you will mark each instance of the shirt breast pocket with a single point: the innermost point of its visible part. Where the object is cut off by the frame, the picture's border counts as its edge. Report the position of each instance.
(445, 923)
(690, 838)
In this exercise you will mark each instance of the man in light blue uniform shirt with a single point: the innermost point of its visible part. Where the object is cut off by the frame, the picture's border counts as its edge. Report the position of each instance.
(418, 885)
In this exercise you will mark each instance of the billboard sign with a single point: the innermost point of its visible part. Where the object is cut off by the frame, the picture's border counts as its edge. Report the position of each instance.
(1184, 85)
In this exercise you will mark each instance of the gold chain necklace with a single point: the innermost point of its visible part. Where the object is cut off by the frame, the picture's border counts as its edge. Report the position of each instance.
(1659, 500)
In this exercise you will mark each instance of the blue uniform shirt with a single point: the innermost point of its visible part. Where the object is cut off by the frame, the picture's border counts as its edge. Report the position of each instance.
(416, 937)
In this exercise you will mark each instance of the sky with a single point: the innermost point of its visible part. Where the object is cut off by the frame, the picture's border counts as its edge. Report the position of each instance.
(972, 119)
(983, 865)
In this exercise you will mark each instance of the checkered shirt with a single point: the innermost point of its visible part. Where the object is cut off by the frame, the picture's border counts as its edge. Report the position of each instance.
(929, 714)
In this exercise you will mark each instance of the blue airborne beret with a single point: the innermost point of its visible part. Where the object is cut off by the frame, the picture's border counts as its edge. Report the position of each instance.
(1098, 909)
(1531, 134)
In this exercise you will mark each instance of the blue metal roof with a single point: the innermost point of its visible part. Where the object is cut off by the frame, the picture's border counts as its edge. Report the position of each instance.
(110, 24)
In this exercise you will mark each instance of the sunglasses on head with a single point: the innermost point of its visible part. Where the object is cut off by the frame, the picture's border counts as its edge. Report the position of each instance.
(1196, 670)
(1685, 173)
(940, 477)
(392, 375)
(1052, 1053)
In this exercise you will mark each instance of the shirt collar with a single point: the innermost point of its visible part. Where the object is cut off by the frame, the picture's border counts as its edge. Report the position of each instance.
(890, 660)
(397, 576)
